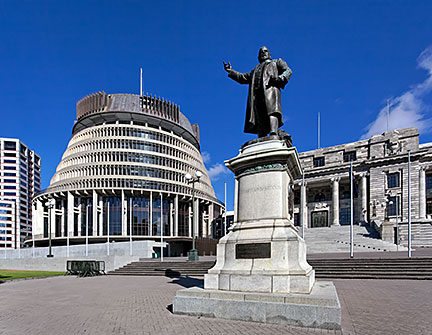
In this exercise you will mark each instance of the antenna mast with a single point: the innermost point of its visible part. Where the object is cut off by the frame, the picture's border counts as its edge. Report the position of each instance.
(319, 131)
(388, 114)
(141, 86)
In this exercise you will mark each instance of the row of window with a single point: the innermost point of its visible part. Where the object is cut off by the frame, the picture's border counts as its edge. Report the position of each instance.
(140, 184)
(348, 156)
(142, 222)
(124, 157)
(133, 145)
(119, 131)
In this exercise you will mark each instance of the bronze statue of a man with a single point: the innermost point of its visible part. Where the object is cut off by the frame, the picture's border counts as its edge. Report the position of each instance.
(264, 111)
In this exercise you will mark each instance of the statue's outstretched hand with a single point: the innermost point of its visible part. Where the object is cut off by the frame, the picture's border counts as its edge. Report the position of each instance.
(227, 67)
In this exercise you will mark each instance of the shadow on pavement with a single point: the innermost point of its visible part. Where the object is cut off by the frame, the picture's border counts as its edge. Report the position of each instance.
(170, 308)
(188, 282)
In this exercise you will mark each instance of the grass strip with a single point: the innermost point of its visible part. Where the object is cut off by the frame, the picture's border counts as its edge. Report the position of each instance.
(17, 274)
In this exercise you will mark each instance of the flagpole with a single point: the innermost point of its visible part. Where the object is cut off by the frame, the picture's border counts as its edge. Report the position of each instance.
(162, 226)
(352, 213)
(108, 225)
(388, 115)
(409, 204)
(87, 223)
(225, 221)
(130, 226)
(302, 205)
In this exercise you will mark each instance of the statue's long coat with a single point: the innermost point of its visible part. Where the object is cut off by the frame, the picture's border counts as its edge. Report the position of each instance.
(262, 99)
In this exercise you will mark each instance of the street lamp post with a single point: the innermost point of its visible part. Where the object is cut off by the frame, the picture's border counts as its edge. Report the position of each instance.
(193, 253)
(130, 226)
(51, 204)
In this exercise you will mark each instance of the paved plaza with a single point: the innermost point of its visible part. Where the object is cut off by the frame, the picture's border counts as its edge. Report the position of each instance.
(140, 305)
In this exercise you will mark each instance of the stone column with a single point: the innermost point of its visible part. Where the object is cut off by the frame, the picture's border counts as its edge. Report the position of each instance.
(335, 199)
(171, 217)
(79, 210)
(53, 220)
(211, 218)
(70, 213)
(38, 219)
(101, 216)
(95, 213)
(176, 211)
(63, 219)
(364, 203)
(303, 206)
(151, 214)
(422, 192)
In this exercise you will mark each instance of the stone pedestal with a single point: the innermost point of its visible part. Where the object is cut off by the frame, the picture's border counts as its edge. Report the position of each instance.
(263, 253)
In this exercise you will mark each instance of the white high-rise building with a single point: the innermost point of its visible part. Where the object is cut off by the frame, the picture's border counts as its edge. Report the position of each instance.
(20, 178)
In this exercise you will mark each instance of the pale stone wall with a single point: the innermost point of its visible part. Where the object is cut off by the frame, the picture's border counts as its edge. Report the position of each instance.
(375, 158)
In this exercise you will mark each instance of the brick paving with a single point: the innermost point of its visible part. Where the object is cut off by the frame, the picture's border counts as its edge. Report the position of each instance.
(138, 305)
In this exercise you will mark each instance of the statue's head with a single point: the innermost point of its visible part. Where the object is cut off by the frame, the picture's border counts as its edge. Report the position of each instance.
(263, 54)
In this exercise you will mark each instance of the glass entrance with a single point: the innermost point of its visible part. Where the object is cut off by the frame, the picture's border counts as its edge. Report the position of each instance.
(319, 219)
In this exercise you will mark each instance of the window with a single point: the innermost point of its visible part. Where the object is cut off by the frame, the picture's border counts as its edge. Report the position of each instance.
(391, 206)
(393, 180)
(345, 215)
(10, 161)
(429, 181)
(10, 174)
(318, 161)
(9, 145)
(9, 154)
(349, 156)
(320, 197)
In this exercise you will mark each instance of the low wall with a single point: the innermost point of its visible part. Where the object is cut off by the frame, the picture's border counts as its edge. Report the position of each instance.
(59, 263)
(35, 259)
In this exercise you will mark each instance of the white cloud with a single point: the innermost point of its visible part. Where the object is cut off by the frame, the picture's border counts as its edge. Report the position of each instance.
(206, 157)
(408, 109)
(217, 170)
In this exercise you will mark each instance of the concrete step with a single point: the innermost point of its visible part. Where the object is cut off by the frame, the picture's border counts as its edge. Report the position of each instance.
(393, 268)
(337, 239)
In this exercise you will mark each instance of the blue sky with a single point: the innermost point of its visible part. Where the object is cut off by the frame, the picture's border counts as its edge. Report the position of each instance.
(347, 57)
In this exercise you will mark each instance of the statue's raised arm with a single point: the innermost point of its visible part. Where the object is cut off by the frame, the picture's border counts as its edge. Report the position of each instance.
(264, 111)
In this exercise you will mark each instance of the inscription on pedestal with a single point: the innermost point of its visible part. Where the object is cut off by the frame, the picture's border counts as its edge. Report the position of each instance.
(253, 250)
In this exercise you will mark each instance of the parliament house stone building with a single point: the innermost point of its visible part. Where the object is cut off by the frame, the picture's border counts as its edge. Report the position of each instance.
(123, 173)
(380, 188)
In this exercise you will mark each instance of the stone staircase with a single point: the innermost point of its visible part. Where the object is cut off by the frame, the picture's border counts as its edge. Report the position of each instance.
(337, 239)
(169, 268)
(378, 268)
(421, 234)
(398, 268)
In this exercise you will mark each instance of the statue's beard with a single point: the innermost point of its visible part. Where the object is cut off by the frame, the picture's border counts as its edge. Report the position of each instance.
(263, 58)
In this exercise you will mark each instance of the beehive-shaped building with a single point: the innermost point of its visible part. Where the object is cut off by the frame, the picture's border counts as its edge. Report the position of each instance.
(123, 173)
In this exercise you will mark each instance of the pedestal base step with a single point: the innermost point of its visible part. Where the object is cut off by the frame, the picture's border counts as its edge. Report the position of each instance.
(319, 309)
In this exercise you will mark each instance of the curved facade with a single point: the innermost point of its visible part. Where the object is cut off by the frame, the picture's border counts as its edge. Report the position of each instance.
(125, 167)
